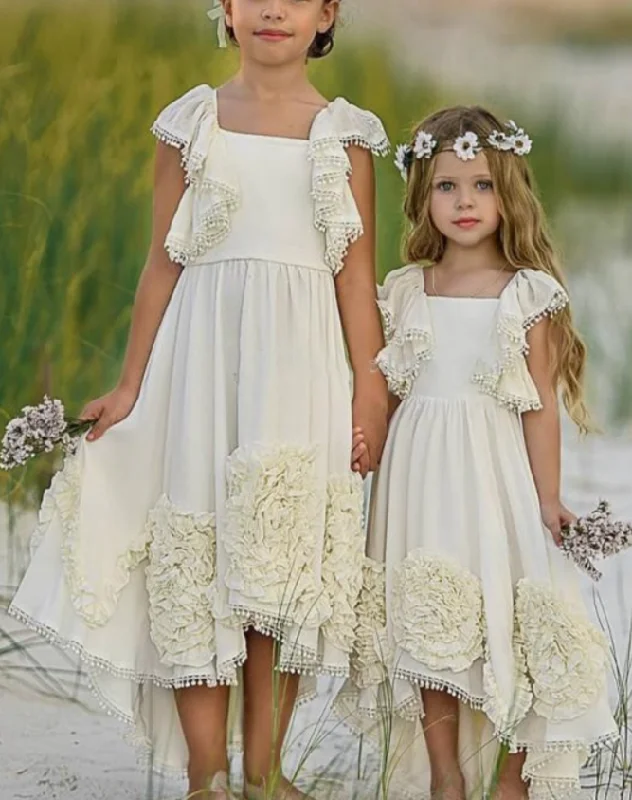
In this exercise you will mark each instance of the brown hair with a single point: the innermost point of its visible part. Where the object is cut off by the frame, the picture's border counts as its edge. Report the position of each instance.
(322, 45)
(523, 235)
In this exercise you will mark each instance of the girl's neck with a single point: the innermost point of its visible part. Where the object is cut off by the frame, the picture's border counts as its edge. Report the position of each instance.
(472, 259)
(269, 84)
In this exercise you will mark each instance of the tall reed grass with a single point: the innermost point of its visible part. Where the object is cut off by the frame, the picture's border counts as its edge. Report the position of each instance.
(80, 83)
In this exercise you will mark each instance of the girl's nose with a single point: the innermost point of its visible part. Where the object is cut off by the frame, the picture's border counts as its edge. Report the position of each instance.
(274, 10)
(465, 199)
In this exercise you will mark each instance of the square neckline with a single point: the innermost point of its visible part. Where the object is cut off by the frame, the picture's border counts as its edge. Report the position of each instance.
(496, 299)
(281, 139)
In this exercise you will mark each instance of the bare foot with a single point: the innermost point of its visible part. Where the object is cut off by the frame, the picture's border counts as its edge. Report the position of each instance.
(218, 789)
(450, 786)
(284, 790)
(511, 788)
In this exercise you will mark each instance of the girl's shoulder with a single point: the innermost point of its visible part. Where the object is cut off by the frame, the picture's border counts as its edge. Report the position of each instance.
(352, 125)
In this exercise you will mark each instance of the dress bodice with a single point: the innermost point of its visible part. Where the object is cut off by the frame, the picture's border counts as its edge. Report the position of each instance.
(447, 347)
(463, 331)
(272, 198)
(275, 217)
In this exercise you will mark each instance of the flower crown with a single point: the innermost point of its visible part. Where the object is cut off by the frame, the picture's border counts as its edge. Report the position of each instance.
(466, 147)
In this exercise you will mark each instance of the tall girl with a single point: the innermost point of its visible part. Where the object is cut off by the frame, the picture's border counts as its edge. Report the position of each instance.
(214, 509)
(485, 640)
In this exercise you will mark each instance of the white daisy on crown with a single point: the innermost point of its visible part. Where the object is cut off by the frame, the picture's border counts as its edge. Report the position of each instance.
(466, 147)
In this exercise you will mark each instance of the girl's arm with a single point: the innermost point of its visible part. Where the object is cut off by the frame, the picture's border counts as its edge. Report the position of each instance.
(393, 404)
(153, 293)
(357, 301)
(543, 434)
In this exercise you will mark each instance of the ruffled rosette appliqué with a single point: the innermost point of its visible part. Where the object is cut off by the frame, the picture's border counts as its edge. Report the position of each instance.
(438, 638)
(530, 297)
(336, 215)
(407, 328)
(202, 218)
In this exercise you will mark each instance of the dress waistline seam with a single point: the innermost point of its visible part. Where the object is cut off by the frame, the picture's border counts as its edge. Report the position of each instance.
(206, 262)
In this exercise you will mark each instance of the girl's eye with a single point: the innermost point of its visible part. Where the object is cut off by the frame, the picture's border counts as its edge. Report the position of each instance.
(445, 186)
(484, 186)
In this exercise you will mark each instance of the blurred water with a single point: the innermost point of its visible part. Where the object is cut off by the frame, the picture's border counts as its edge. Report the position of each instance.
(481, 54)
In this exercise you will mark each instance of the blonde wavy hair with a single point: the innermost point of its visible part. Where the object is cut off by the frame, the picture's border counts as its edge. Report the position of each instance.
(523, 236)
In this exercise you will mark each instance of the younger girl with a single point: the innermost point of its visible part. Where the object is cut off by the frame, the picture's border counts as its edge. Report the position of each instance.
(486, 640)
(220, 512)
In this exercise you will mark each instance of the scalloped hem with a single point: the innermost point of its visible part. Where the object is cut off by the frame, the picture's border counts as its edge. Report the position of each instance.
(434, 685)
(477, 703)
(365, 722)
(103, 665)
(307, 666)
(571, 631)
(301, 660)
(95, 664)
(404, 711)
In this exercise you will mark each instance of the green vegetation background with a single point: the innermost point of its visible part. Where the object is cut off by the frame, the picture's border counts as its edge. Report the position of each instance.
(80, 84)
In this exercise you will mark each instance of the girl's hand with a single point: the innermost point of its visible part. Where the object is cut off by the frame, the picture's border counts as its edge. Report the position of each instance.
(108, 410)
(556, 517)
(359, 453)
(371, 418)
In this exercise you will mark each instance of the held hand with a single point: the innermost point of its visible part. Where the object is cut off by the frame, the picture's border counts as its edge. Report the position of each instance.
(556, 517)
(359, 453)
(108, 410)
(372, 420)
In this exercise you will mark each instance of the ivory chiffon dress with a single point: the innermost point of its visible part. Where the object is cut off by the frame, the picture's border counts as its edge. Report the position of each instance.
(225, 501)
(464, 589)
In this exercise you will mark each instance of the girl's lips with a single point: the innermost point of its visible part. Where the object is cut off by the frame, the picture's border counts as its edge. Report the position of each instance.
(469, 222)
(273, 36)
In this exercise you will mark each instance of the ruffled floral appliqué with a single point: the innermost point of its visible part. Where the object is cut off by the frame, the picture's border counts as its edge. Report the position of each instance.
(343, 557)
(273, 527)
(407, 329)
(437, 612)
(437, 617)
(181, 568)
(370, 647)
(565, 654)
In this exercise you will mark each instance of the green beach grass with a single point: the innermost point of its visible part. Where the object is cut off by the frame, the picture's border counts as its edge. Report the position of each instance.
(80, 84)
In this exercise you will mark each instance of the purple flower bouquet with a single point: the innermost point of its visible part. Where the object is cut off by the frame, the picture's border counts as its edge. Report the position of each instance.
(39, 429)
(596, 536)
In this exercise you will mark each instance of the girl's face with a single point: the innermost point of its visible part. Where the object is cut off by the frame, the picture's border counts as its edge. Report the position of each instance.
(275, 32)
(463, 205)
